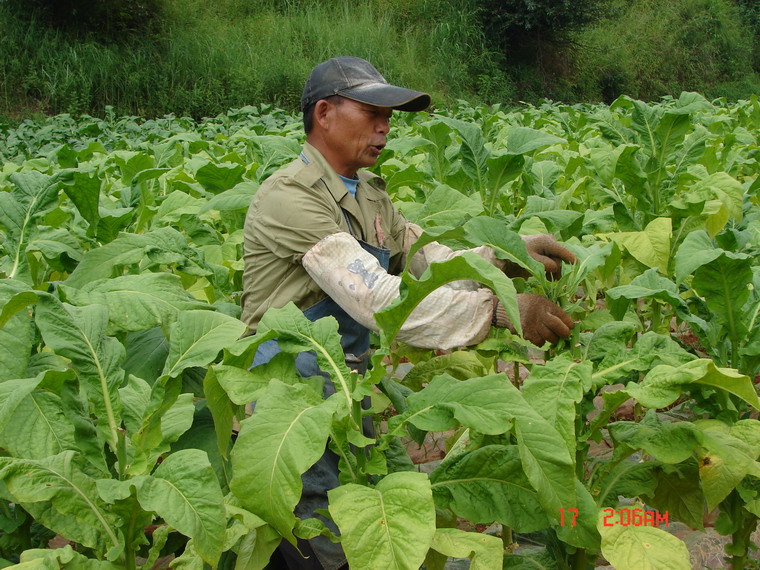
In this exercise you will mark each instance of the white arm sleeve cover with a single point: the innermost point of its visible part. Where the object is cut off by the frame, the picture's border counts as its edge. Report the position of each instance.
(354, 279)
(435, 252)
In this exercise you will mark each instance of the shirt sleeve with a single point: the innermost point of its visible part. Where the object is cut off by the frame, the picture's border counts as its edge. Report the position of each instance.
(290, 218)
(447, 318)
(436, 252)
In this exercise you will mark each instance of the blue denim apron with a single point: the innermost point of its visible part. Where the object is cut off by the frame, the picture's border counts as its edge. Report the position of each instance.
(323, 475)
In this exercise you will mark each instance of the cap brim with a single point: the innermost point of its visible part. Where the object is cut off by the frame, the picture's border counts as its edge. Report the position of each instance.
(385, 95)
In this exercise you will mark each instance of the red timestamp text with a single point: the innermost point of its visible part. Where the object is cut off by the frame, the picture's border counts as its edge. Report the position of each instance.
(621, 517)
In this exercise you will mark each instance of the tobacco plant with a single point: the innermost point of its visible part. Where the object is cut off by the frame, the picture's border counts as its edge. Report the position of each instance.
(124, 379)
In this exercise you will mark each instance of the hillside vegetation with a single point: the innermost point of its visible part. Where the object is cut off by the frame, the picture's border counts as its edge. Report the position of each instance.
(152, 57)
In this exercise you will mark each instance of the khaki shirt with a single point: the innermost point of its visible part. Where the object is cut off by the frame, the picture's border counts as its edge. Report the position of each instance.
(293, 210)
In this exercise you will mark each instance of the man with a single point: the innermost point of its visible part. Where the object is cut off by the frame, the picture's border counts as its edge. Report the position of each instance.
(324, 234)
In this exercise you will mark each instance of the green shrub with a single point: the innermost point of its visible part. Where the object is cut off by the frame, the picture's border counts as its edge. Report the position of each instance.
(205, 58)
(663, 47)
(107, 19)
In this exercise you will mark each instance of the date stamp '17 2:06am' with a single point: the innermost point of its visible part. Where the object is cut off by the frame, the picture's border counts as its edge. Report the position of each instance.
(621, 517)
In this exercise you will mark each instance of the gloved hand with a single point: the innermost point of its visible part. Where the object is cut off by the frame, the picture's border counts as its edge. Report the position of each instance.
(541, 319)
(546, 249)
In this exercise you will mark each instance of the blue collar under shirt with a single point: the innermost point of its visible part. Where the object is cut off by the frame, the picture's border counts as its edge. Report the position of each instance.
(351, 183)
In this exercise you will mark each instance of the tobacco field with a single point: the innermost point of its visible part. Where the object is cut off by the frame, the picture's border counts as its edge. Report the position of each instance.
(124, 373)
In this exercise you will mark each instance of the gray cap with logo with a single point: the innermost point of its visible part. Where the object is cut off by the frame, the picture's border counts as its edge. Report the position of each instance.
(356, 78)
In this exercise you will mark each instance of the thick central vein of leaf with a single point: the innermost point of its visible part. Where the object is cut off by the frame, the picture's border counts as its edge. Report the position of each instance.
(89, 503)
(485, 479)
(197, 515)
(17, 260)
(348, 466)
(336, 370)
(191, 347)
(387, 531)
(274, 482)
(617, 366)
(729, 308)
(61, 447)
(104, 389)
(409, 419)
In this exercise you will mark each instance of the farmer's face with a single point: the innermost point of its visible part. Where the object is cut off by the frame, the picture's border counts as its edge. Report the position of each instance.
(355, 133)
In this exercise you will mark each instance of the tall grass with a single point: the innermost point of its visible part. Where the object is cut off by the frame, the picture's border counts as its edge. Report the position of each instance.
(652, 48)
(209, 57)
(201, 58)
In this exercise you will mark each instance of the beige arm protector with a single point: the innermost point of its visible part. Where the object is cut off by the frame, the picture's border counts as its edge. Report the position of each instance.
(435, 252)
(354, 279)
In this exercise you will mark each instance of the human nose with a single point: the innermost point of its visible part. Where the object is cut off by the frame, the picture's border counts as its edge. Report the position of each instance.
(383, 125)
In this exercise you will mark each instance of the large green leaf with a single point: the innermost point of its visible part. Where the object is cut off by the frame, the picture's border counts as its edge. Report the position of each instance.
(217, 178)
(79, 335)
(667, 442)
(724, 283)
(723, 462)
(62, 497)
(37, 427)
(546, 461)
(221, 408)
(198, 337)
(413, 291)
(378, 527)
(650, 246)
(285, 436)
(473, 152)
(554, 389)
(460, 364)
(664, 384)
(648, 285)
(16, 331)
(185, 492)
(506, 244)
(487, 485)
(627, 478)
(583, 533)
(163, 246)
(101, 262)
(642, 548)
(696, 250)
(484, 551)
(12, 393)
(718, 197)
(137, 302)
(445, 206)
(524, 140)
(296, 333)
(679, 494)
(478, 403)
(618, 361)
(236, 198)
(66, 558)
(83, 189)
(32, 195)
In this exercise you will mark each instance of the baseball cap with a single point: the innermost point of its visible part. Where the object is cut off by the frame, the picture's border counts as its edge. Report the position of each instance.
(357, 79)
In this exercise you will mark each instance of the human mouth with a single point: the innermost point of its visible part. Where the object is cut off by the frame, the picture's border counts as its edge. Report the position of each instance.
(376, 149)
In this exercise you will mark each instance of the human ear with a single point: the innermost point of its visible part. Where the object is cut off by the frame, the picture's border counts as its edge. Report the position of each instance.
(322, 110)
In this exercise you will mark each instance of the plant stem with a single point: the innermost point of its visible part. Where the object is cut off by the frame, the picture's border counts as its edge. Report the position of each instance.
(121, 453)
(506, 538)
(656, 316)
(578, 560)
(130, 562)
(741, 538)
(361, 455)
(575, 343)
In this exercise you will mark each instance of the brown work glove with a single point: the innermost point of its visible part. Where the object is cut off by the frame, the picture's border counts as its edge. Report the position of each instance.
(541, 319)
(546, 249)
